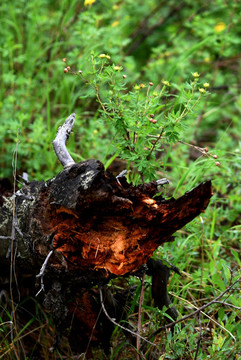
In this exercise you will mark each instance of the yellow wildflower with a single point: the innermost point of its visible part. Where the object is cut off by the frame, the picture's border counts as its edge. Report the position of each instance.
(115, 7)
(165, 82)
(117, 67)
(136, 87)
(220, 27)
(206, 85)
(207, 59)
(202, 90)
(195, 75)
(89, 2)
(115, 23)
(102, 56)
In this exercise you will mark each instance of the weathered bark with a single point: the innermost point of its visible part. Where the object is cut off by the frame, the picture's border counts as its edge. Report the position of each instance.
(92, 227)
(94, 222)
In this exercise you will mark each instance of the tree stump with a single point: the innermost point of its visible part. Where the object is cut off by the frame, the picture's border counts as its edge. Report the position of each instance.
(87, 226)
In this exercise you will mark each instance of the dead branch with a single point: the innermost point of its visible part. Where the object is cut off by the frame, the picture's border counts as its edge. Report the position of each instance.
(59, 143)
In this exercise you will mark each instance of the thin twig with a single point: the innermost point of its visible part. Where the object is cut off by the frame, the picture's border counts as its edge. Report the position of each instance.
(155, 142)
(120, 326)
(139, 316)
(42, 271)
(5, 237)
(227, 304)
(92, 332)
(121, 174)
(199, 336)
(195, 312)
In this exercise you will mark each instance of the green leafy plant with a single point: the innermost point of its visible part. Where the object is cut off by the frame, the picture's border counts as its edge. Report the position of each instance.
(145, 118)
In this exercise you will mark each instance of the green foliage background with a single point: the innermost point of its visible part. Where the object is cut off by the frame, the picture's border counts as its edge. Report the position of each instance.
(152, 40)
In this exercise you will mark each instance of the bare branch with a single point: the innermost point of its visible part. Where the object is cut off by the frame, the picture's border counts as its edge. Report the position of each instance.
(59, 142)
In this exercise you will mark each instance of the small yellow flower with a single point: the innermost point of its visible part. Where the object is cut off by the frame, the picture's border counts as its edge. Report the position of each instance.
(102, 56)
(202, 90)
(136, 87)
(207, 59)
(142, 86)
(89, 2)
(206, 85)
(107, 57)
(220, 27)
(115, 7)
(165, 82)
(117, 67)
(195, 75)
(115, 23)
(155, 93)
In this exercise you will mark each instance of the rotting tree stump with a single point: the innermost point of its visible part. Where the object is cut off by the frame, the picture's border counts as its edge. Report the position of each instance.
(91, 227)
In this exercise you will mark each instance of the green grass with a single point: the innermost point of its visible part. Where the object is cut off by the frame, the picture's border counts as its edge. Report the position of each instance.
(36, 97)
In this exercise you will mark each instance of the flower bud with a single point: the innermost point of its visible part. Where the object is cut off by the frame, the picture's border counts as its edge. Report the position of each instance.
(217, 163)
(151, 83)
(165, 82)
(64, 60)
(66, 70)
